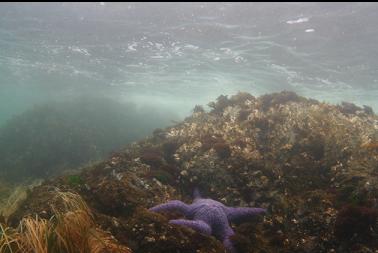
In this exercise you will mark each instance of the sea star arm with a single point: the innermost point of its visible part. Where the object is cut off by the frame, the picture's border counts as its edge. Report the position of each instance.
(197, 225)
(227, 243)
(196, 193)
(173, 205)
(242, 213)
(225, 237)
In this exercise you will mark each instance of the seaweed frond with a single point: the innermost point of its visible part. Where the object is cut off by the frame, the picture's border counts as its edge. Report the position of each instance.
(71, 229)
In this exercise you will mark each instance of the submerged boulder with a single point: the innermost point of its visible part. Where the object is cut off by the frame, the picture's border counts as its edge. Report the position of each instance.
(311, 164)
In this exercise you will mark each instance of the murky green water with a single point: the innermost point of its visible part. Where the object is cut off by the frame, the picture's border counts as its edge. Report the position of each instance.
(181, 54)
(172, 56)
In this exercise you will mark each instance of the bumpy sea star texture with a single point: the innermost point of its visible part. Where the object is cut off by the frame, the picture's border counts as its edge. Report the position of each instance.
(209, 217)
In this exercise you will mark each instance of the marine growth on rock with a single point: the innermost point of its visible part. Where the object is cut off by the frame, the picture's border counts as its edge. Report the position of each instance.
(312, 165)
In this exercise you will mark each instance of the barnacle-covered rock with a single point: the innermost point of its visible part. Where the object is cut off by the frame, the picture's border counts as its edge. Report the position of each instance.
(313, 165)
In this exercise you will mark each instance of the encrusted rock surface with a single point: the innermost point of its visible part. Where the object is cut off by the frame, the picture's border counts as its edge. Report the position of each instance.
(313, 165)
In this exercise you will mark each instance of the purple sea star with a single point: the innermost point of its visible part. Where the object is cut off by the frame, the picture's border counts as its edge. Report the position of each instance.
(209, 217)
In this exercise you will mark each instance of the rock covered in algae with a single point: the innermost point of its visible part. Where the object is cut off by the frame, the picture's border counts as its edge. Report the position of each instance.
(313, 165)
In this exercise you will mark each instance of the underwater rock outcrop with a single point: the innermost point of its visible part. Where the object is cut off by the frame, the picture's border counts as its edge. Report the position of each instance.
(312, 165)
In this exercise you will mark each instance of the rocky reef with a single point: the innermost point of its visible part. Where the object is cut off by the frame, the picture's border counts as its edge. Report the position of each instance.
(312, 165)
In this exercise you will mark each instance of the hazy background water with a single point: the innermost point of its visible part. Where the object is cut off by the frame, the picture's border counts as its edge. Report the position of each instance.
(176, 55)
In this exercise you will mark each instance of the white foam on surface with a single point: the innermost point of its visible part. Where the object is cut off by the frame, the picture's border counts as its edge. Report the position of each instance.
(297, 21)
(131, 47)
